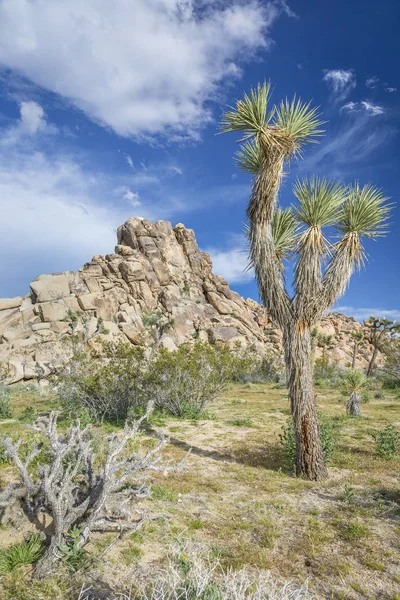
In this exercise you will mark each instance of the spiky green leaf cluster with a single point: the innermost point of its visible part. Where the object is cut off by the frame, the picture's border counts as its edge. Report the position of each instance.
(319, 201)
(365, 212)
(249, 157)
(284, 232)
(250, 114)
(354, 381)
(299, 120)
(294, 122)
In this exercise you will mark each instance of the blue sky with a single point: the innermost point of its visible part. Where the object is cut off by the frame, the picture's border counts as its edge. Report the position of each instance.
(110, 109)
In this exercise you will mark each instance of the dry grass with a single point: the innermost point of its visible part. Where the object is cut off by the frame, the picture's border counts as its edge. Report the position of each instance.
(238, 502)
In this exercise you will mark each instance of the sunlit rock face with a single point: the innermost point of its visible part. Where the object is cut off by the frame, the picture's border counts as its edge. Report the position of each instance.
(155, 268)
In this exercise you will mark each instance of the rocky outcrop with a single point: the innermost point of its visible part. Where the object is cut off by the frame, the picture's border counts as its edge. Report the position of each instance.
(155, 268)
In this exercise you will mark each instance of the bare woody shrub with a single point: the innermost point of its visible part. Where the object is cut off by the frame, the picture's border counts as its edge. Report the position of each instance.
(76, 490)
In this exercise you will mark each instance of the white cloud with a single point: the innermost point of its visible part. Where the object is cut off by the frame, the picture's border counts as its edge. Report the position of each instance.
(358, 136)
(390, 89)
(32, 117)
(132, 198)
(371, 82)
(32, 121)
(368, 107)
(232, 262)
(350, 106)
(142, 67)
(129, 160)
(340, 81)
(373, 109)
(287, 10)
(362, 314)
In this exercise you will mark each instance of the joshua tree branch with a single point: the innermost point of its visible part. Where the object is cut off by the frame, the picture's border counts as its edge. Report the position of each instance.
(262, 248)
(307, 281)
(335, 280)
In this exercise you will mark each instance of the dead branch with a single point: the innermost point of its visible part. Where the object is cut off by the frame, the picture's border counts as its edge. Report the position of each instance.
(78, 492)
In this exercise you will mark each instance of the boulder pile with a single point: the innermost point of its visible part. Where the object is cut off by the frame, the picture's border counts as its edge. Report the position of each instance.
(156, 269)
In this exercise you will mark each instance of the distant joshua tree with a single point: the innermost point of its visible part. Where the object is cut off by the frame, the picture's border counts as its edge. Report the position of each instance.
(381, 331)
(358, 337)
(325, 340)
(355, 385)
(272, 137)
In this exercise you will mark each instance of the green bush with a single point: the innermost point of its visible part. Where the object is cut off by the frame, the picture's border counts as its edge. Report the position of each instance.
(287, 439)
(28, 415)
(5, 408)
(121, 381)
(268, 369)
(327, 373)
(24, 553)
(185, 381)
(103, 388)
(387, 442)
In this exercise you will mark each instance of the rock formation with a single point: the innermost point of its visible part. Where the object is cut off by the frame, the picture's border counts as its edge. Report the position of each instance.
(156, 268)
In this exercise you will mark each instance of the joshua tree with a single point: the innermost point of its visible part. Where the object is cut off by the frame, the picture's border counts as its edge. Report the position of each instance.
(325, 340)
(358, 337)
(272, 137)
(381, 331)
(355, 383)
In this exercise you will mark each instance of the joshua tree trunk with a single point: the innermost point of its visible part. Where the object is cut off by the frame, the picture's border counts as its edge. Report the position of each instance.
(371, 365)
(353, 405)
(310, 460)
(355, 351)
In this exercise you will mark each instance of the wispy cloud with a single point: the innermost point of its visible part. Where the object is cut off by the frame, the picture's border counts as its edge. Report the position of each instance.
(141, 68)
(286, 9)
(126, 193)
(340, 81)
(357, 137)
(361, 314)
(371, 82)
(369, 107)
(129, 160)
(391, 90)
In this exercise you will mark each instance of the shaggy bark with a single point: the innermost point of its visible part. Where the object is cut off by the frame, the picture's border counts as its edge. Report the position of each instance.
(353, 405)
(310, 461)
(371, 365)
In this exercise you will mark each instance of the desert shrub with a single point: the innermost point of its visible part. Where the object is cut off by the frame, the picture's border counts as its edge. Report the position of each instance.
(327, 373)
(97, 388)
(387, 442)
(5, 394)
(28, 415)
(328, 434)
(5, 407)
(121, 381)
(186, 380)
(268, 369)
(81, 492)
